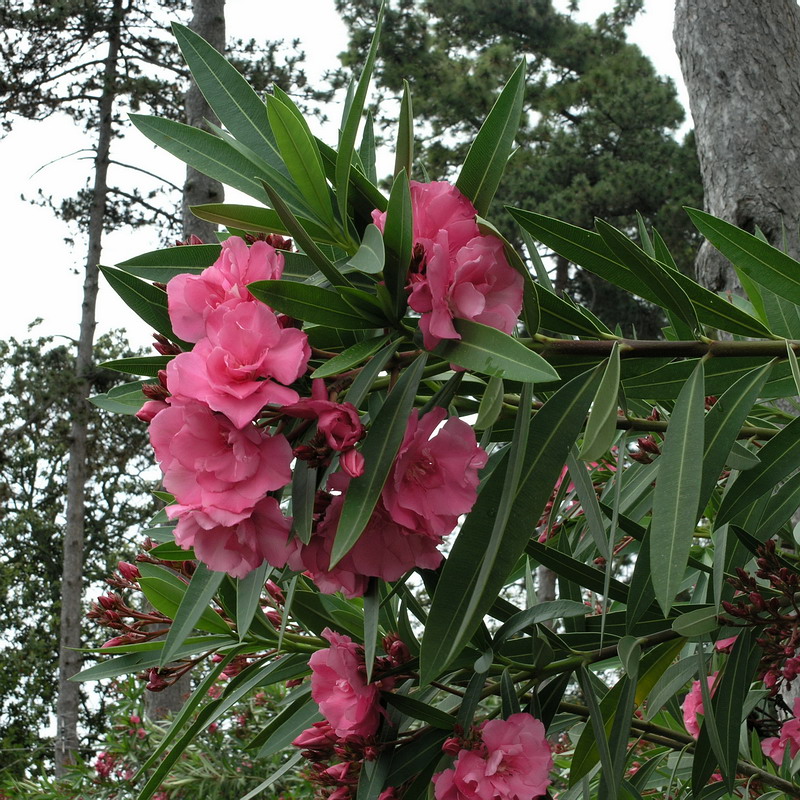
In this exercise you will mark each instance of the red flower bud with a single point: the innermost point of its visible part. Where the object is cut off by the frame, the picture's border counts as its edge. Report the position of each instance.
(128, 571)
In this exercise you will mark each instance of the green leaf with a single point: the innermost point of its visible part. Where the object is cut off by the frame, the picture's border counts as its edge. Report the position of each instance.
(248, 598)
(762, 262)
(477, 566)
(302, 158)
(508, 695)
(163, 265)
(205, 152)
(601, 427)
(398, 239)
(588, 250)
(351, 357)
(661, 281)
(283, 728)
(126, 398)
(782, 507)
(404, 149)
(491, 404)
(367, 149)
(541, 612)
(416, 709)
(304, 491)
(365, 304)
(600, 727)
(492, 352)
(347, 138)
(379, 450)
(257, 220)
(697, 622)
(677, 492)
(277, 775)
(149, 302)
(304, 240)
(372, 604)
(780, 457)
(722, 425)
(309, 303)
(560, 316)
(193, 608)
(369, 372)
(370, 256)
(139, 365)
(486, 160)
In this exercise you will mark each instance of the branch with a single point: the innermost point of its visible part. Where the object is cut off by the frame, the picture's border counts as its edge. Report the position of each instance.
(146, 172)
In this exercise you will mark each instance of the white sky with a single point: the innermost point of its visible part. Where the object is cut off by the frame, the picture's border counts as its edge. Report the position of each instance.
(43, 276)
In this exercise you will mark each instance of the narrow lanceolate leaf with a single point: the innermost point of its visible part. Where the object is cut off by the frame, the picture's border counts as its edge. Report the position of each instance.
(302, 158)
(162, 265)
(541, 612)
(491, 404)
(722, 426)
(369, 372)
(661, 281)
(488, 154)
(205, 152)
(304, 490)
(782, 506)
(248, 596)
(351, 357)
(398, 237)
(492, 352)
(229, 94)
(762, 262)
(201, 589)
(370, 256)
(309, 303)
(780, 457)
(379, 451)
(588, 250)
(347, 139)
(257, 220)
(372, 605)
(149, 366)
(601, 427)
(304, 240)
(416, 709)
(477, 566)
(404, 149)
(149, 302)
(124, 399)
(366, 149)
(677, 491)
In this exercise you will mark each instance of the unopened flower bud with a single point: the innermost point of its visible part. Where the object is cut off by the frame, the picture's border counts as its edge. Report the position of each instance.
(128, 571)
(275, 592)
(275, 618)
(452, 746)
(352, 463)
(155, 683)
(115, 642)
(648, 445)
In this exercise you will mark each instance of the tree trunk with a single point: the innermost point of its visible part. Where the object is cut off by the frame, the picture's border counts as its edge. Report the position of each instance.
(208, 21)
(69, 659)
(741, 65)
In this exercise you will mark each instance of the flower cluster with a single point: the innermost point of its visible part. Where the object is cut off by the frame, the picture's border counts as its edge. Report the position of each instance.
(457, 272)
(503, 760)
(433, 481)
(337, 746)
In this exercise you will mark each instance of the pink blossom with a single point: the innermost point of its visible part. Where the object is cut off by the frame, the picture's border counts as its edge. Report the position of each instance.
(239, 548)
(338, 685)
(438, 206)
(513, 762)
(775, 747)
(385, 550)
(725, 645)
(245, 362)
(320, 738)
(339, 423)
(211, 466)
(191, 298)
(477, 283)
(693, 705)
(435, 477)
(352, 463)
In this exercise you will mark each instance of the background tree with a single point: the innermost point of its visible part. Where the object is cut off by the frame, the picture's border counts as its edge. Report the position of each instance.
(36, 385)
(597, 138)
(744, 96)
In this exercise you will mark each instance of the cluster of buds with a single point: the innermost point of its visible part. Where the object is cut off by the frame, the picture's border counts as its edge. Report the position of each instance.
(272, 239)
(462, 740)
(646, 446)
(778, 615)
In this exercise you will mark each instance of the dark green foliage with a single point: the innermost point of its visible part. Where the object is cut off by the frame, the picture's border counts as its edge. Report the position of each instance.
(35, 378)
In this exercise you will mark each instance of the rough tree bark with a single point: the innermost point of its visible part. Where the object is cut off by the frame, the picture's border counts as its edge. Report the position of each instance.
(741, 64)
(208, 21)
(70, 660)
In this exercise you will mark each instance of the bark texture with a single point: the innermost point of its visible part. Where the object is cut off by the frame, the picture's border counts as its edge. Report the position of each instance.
(69, 659)
(741, 64)
(208, 21)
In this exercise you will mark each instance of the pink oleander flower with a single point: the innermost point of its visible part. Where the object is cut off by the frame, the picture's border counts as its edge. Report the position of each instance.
(243, 364)
(237, 549)
(435, 477)
(209, 465)
(775, 747)
(338, 685)
(477, 283)
(513, 762)
(150, 409)
(438, 206)
(385, 550)
(725, 645)
(693, 705)
(339, 423)
(191, 298)
(320, 738)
